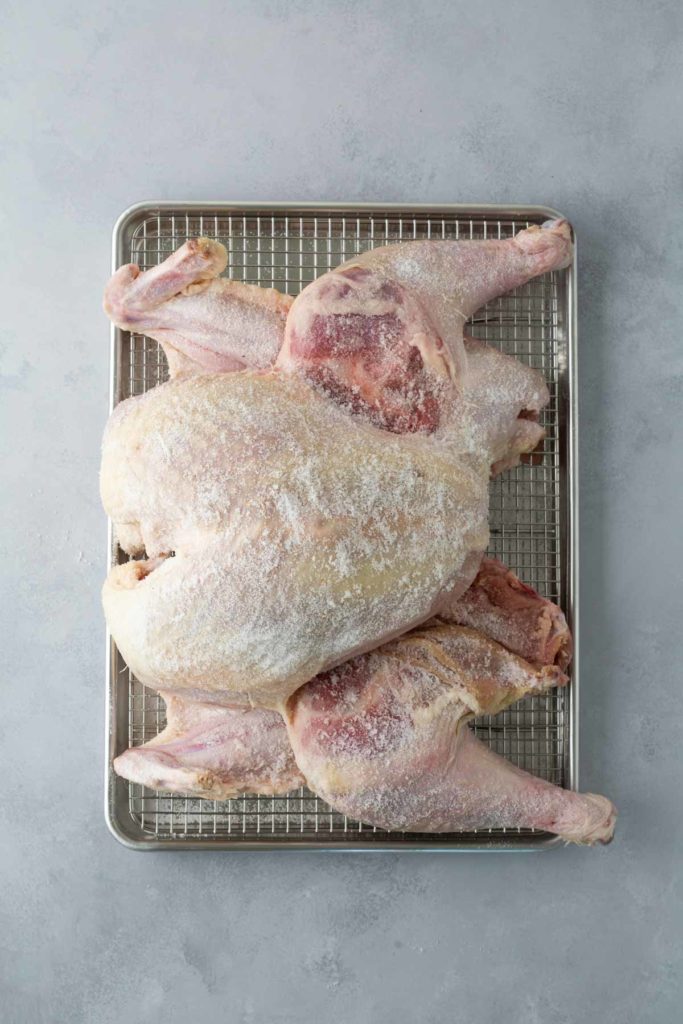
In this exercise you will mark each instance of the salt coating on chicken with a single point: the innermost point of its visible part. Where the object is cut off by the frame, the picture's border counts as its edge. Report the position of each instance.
(287, 533)
(306, 506)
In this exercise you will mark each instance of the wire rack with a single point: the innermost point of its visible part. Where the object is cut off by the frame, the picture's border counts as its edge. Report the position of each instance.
(529, 508)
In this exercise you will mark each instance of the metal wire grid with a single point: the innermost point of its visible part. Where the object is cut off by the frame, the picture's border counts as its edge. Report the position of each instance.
(287, 252)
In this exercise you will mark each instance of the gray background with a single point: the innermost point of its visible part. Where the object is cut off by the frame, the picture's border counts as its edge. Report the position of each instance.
(576, 105)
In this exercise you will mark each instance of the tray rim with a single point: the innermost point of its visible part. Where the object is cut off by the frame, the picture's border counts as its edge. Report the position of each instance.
(544, 841)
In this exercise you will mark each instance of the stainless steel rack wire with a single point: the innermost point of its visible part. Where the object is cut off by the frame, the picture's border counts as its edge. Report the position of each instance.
(533, 507)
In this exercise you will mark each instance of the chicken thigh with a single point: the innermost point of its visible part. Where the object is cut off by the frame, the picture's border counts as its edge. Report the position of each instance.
(296, 517)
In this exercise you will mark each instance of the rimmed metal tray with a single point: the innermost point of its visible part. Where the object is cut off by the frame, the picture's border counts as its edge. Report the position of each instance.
(533, 508)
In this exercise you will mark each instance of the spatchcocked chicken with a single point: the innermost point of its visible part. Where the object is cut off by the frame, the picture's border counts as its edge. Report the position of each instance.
(306, 501)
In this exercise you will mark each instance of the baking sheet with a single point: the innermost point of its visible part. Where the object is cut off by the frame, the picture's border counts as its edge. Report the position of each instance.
(533, 508)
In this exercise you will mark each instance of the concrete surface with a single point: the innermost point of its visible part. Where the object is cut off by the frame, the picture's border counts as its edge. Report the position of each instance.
(573, 105)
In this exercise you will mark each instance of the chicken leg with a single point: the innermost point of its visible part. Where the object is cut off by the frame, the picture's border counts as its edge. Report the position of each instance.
(384, 740)
(384, 331)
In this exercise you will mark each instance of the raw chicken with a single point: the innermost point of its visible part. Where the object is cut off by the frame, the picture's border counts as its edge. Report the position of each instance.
(383, 738)
(379, 394)
(296, 517)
